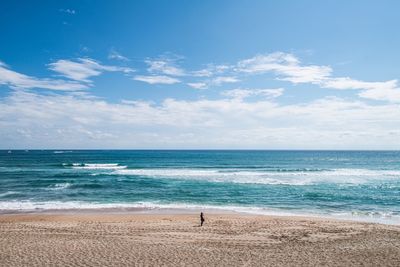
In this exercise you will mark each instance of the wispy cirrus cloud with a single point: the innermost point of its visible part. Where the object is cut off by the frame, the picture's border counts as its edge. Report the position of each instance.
(68, 11)
(18, 80)
(211, 70)
(198, 85)
(114, 54)
(77, 73)
(164, 66)
(163, 70)
(244, 93)
(224, 79)
(288, 67)
(209, 82)
(84, 68)
(202, 73)
(217, 81)
(167, 70)
(285, 66)
(156, 79)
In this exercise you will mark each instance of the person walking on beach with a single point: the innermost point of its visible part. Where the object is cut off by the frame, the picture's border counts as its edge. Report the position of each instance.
(201, 218)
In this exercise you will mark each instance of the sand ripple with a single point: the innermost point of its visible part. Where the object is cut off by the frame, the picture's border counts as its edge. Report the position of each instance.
(176, 240)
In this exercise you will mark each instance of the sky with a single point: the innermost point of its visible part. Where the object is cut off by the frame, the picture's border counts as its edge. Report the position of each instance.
(209, 74)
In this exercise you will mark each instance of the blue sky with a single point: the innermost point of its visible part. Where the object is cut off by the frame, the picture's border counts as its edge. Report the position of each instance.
(200, 74)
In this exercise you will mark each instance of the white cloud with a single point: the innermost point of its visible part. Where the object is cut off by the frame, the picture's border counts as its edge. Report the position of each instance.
(156, 79)
(68, 11)
(114, 54)
(211, 70)
(199, 85)
(287, 66)
(385, 94)
(83, 68)
(33, 120)
(345, 83)
(164, 66)
(224, 79)
(84, 49)
(18, 80)
(243, 93)
(202, 73)
(384, 91)
(222, 68)
(267, 62)
(214, 81)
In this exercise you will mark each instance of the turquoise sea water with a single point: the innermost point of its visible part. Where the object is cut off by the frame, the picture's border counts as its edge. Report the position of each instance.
(362, 185)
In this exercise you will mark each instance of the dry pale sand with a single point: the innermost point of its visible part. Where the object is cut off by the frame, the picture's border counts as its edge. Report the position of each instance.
(176, 240)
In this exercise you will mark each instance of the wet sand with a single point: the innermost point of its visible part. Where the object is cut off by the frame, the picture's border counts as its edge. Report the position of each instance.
(177, 240)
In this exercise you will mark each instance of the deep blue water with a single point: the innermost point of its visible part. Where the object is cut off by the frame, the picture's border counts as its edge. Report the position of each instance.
(350, 184)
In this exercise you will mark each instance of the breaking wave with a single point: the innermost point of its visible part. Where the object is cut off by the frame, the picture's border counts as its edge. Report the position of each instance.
(95, 166)
(26, 206)
(303, 177)
(60, 186)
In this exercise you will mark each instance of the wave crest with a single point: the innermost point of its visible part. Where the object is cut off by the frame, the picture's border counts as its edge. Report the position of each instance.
(337, 176)
(382, 216)
(95, 166)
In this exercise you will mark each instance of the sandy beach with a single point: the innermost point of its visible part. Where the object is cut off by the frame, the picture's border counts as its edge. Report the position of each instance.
(87, 239)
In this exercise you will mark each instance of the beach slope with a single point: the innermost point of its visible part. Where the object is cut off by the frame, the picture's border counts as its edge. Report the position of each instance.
(177, 240)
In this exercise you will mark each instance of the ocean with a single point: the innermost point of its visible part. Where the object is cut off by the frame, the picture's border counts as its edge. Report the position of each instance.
(356, 185)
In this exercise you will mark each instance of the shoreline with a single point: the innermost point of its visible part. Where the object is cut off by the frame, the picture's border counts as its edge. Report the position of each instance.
(193, 211)
(110, 239)
(116, 214)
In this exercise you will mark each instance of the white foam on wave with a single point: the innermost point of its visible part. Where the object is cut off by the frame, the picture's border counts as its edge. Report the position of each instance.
(8, 193)
(338, 176)
(55, 205)
(27, 205)
(62, 151)
(60, 186)
(385, 217)
(98, 166)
